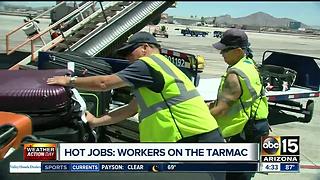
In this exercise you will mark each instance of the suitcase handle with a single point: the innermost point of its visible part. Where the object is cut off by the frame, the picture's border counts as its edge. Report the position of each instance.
(8, 133)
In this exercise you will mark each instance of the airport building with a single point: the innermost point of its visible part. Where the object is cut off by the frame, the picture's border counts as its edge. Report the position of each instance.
(294, 25)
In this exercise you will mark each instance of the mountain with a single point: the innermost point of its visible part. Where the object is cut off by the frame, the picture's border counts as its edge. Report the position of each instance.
(315, 27)
(255, 19)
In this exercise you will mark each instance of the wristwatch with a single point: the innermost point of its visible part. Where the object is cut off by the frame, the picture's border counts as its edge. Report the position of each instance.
(72, 81)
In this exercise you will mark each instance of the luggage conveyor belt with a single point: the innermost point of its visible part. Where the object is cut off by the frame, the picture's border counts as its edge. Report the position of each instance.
(127, 22)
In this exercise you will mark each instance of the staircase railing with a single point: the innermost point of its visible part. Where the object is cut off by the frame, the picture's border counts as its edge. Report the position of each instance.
(80, 9)
(129, 19)
(60, 38)
(8, 50)
(74, 13)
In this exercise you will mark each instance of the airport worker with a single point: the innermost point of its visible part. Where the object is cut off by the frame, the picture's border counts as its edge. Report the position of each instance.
(241, 108)
(169, 106)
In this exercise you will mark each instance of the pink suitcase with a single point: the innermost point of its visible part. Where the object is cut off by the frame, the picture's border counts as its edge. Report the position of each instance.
(26, 91)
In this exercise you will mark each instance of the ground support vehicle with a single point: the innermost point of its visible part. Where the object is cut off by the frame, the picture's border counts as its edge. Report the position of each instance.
(162, 32)
(196, 33)
(217, 34)
(306, 84)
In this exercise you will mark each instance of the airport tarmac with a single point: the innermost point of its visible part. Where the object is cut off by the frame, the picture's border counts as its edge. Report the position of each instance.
(215, 67)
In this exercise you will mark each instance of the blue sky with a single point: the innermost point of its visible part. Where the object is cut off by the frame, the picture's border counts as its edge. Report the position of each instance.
(306, 12)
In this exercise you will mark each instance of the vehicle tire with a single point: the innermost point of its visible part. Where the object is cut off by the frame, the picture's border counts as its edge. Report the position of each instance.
(309, 109)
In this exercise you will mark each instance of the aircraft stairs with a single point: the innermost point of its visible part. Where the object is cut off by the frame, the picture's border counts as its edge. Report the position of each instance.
(99, 33)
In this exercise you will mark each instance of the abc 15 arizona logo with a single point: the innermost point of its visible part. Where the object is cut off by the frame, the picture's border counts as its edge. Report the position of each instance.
(285, 148)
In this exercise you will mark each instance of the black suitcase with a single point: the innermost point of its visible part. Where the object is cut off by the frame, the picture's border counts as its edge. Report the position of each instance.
(84, 66)
(76, 133)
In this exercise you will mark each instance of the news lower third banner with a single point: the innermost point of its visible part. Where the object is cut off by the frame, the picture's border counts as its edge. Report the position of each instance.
(137, 157)
(158, 152)
(277, 154)
(73, 167)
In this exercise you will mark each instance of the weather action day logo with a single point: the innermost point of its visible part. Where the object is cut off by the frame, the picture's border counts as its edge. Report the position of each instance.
(39, 152)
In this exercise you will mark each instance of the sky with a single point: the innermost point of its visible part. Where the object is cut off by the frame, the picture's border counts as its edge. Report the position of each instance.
(305, 12)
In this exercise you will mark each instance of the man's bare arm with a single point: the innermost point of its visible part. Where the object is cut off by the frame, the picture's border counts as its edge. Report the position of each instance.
(231, 91)
(92, 83)
(114, 116)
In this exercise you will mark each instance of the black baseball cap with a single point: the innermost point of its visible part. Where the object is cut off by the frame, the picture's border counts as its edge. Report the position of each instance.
(135, 40)
(232, 38)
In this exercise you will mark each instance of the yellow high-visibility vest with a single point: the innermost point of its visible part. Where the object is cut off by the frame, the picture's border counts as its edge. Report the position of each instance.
(175, 113)
(234, 120)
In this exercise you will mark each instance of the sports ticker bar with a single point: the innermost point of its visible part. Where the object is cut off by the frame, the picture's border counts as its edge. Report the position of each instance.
(65, 167)
(146, 167)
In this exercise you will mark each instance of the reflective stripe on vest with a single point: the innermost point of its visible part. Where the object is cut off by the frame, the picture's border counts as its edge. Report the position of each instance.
(184, 94)
(246, 80)
(147, 111)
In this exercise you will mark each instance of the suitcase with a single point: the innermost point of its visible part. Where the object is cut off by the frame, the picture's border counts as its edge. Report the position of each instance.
(26, 91)
(13, 128)
(84, 66)
(97, 102)
(73, 130)
(54, 114)
(78, 132)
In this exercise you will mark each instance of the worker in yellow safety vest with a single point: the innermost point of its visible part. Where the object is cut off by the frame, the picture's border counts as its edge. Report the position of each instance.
(169, 106)
(241, 108)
